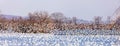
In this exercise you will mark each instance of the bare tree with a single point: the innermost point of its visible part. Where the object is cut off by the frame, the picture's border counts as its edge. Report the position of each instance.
(97, 21)
(118, 20)
(108, 19)
(116, 24)
(68, 20)
(58, 18)
(74, 19)
(40, 18)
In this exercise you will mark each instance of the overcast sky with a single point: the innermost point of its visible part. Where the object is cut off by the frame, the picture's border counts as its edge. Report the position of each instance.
(83, 9)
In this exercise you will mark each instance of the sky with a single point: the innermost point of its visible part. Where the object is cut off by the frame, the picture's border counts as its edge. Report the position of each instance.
(82, 9)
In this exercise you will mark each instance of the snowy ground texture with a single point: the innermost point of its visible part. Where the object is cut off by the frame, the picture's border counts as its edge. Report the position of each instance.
(17, 39)
(86, 32)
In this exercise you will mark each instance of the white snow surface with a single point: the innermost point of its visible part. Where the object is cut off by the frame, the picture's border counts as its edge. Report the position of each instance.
(20, 39)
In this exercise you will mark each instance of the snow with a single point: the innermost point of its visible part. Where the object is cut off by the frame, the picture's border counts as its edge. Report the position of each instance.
(85, 32)
(19, 39)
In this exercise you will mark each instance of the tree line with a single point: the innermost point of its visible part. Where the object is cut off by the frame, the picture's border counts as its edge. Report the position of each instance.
(44, 22)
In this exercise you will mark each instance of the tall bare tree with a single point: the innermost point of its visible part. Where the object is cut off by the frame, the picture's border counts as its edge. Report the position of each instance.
(58, 18)
(97, 21)
(74, 19)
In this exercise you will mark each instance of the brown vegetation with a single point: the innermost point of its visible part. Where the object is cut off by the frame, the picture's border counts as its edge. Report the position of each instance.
(43, 22)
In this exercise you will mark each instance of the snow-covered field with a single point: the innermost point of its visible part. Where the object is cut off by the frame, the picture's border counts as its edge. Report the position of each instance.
(17, 39)
(86, 32)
